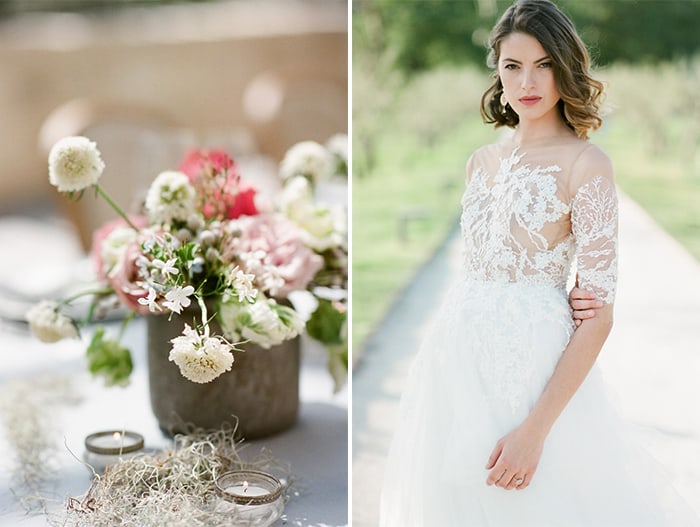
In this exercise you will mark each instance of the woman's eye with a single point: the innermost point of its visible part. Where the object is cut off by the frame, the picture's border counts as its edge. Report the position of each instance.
(510, 66)
(546, 65)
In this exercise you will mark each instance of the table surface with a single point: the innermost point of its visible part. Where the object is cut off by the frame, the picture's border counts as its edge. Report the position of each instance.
(316, 448)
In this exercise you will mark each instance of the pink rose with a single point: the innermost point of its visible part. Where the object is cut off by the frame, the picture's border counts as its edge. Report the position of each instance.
(276, 243)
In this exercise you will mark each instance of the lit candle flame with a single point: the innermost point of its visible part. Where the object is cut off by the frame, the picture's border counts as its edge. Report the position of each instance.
(117, 436)
(245, 487)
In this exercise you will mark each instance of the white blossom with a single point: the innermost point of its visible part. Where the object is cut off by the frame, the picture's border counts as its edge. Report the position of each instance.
(178, 298)
(265, 322)
(337, 145)
(74, 164)
(170, 198)
(308, 159)
(150, 301)
(242, 284)
(165, 268)
(322, 226)
(48, 325)
(201, 358)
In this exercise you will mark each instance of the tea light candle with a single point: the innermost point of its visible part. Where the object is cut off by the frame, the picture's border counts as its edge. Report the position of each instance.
(109, 447)
(256, 496)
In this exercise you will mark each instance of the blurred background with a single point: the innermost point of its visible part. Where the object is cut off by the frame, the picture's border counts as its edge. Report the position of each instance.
(148, 80)
(418, 75)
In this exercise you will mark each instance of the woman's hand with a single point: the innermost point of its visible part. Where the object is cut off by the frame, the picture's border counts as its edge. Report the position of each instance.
(515, 458)
(583, 303)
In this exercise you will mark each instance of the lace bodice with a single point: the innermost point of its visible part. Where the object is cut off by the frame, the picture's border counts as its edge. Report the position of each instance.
(527, 221)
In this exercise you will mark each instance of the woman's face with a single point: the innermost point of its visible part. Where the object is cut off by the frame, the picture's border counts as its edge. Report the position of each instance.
(527, 76)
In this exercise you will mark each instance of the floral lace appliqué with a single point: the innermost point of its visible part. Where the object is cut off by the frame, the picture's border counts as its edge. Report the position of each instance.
(505, 220)
(502, 220)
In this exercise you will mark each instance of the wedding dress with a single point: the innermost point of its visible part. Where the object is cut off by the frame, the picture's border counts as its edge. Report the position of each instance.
(529, 220)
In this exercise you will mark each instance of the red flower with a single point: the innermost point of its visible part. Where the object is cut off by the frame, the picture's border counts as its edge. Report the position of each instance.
(215, 177)
(243, 204)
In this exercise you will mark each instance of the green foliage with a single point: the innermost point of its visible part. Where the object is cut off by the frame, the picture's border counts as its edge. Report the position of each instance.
(424, 34)
(109, 359)
(326, 323)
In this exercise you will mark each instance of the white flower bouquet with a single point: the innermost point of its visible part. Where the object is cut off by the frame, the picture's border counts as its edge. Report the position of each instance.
(202, 238)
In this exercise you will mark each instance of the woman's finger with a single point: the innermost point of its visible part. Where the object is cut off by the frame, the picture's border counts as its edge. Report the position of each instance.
(580, 305)
(515, 481)
(498, 472)
(527, 478)
(494, 456)
(505, 479)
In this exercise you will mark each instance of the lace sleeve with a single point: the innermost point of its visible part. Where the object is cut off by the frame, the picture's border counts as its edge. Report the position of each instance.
(594, 225)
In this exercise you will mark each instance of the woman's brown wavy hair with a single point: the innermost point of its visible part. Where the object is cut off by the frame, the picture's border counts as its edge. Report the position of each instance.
(580, 93)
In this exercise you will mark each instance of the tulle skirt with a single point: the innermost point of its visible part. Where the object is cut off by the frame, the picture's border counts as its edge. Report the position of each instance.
(483, 364)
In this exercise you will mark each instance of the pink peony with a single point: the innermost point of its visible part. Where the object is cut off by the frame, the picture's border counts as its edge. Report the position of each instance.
(271, 244)
(126, 282)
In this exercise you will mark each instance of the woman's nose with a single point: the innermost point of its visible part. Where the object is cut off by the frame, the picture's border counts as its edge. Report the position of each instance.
(528, 80)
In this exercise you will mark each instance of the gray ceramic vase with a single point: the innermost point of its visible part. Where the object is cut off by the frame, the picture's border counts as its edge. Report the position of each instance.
(261, 390)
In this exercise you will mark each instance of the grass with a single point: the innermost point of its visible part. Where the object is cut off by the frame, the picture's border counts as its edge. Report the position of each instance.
(416, 144)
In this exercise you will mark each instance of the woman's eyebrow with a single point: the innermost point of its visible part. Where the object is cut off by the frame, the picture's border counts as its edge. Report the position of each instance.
(546, 57)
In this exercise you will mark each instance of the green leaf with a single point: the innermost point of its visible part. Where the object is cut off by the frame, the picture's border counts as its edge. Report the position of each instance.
(109, 359)
(326, 323)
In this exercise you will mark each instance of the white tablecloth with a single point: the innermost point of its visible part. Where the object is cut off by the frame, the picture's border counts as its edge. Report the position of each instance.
(315, 448)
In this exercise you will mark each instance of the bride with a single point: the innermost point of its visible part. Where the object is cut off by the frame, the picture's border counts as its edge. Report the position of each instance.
(505, 420)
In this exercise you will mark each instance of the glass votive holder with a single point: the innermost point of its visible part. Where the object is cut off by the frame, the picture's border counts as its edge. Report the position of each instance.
(255, 497)
(110, 447)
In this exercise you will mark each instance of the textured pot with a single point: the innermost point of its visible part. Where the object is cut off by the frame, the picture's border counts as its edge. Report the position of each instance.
(261, 390)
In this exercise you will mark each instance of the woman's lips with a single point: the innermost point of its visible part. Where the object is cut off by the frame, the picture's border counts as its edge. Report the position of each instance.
(530, 100)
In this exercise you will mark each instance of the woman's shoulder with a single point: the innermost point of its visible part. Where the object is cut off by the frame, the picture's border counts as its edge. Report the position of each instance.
(486, 156)
(590, 163)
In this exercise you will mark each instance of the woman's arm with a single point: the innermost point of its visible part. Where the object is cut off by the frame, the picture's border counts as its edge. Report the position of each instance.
(514, 460)
(517, 454)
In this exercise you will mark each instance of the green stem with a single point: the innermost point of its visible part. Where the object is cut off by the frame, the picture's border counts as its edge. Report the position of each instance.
(205, 316)
(114, 205)
(96, 292)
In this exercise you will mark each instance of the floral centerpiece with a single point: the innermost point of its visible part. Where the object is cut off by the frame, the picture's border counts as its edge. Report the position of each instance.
(204, 239)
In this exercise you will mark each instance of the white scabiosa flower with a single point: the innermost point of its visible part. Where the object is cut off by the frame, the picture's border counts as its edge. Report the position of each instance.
(170, 198)
(48, 325)
(308, 159)
(201, 358)
(266, 323)
(74, 164)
